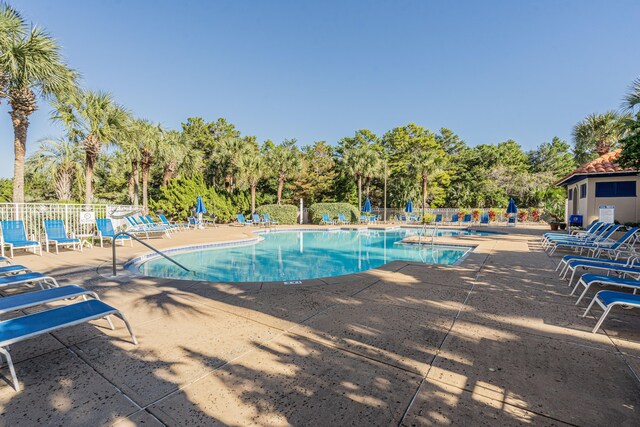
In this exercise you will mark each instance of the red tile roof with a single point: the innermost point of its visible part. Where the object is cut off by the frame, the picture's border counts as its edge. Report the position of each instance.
(603, 164)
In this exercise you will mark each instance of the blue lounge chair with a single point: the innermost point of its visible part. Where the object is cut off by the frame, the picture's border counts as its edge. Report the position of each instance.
(270, 221)
(601, 242)
(30, 277)
(591, 236)
(364, 219)
(455, 219)
(587, 280)
(258, 221)
(342, 219)
(148, 223)
(106, 232)
(512, 221)
(592, 228)
(466, 219)
(438, 219)
(11, 269)
(609, 299)
(21, 328)
(32, 299)
(242, 220)
(165, 221)
(14, 236)
(484, 219)
(56, 233)
(326, 219)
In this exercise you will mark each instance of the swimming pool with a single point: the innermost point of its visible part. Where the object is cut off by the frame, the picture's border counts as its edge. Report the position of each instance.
(299, 255)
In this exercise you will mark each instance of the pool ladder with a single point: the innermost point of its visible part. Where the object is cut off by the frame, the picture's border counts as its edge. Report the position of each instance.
(424, 233)
(124, 233)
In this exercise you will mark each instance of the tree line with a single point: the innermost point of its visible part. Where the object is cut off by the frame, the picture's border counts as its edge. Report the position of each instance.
(106, 154)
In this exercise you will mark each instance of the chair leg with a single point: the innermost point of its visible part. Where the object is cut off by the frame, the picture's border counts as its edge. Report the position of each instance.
(582, 295)
(126, 322)
(14, 378)
(604, 316)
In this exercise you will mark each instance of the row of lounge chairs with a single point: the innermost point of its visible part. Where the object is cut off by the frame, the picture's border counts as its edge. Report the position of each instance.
(23, 326)
(14, 235)
(599, 260)
(265, 221)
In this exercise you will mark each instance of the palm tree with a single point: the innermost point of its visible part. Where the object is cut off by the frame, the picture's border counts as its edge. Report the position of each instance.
(150, 144)
(60, 159)
(426, 165)
(360, 161)
(93, 119)
(31, 65)
(130, 146)
(599, 133)
(226, 153)
(251, 169)
(285, 162)
(632, 99)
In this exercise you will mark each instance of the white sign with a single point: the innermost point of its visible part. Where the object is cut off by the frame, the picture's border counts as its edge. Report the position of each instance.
(606, 213)
(87, 217)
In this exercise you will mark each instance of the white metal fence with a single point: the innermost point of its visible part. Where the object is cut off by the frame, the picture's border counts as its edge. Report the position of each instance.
(34, 213)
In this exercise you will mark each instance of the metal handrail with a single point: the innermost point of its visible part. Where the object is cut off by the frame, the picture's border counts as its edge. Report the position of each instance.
(124, 233)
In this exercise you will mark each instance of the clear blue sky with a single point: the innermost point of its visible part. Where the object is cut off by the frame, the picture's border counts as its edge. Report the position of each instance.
(320, 70)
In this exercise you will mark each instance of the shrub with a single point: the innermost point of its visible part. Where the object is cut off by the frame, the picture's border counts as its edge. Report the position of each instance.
(284, 214)
(535, 215)
(333, 209)
(522, 215)
(178, 200)
(492, 215)
(428, 218)
(475, 214)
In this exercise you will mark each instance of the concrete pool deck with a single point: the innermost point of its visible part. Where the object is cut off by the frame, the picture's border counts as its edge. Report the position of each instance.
(496, 340)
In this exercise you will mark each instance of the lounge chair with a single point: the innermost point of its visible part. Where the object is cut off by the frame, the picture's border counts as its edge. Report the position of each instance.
(466, 219)
(591, 229)
(587, 280)
(326, 220)
(30, 277)
(258, 221)
(165, 221)
(5, 260)
(242, 220)
(32, 299)
(454, 219)
(512, 221)
(32, 325)
(591, 236)
(106, 232)
(147, 222)
(194, 222)
(364, 219)
(11, 269)
(609, 299)
(56, 233)
(484, 219)
(14, 236)
(269, 220)
(438, 219)
(342, 219)
(602, 242)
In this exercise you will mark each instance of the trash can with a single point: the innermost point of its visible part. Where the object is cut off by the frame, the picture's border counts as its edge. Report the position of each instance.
(575, 221)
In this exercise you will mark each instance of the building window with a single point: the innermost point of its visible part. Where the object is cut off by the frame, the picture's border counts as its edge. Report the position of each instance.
(571, 194)
(583, 191)
(616, 189)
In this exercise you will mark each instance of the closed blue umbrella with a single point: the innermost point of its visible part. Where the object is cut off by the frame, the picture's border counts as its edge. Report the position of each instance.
(409, 207)
(512, 208)
(200, 209)
(367, 206)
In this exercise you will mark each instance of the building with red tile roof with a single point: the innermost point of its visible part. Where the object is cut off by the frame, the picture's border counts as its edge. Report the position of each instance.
(603, 183)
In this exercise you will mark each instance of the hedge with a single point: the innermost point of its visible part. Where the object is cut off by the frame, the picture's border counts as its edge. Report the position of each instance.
(333, 209)
(284, 214)
(179, 199)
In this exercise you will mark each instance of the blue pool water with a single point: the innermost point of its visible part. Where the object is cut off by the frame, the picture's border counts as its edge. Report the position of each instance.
(300, 255)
